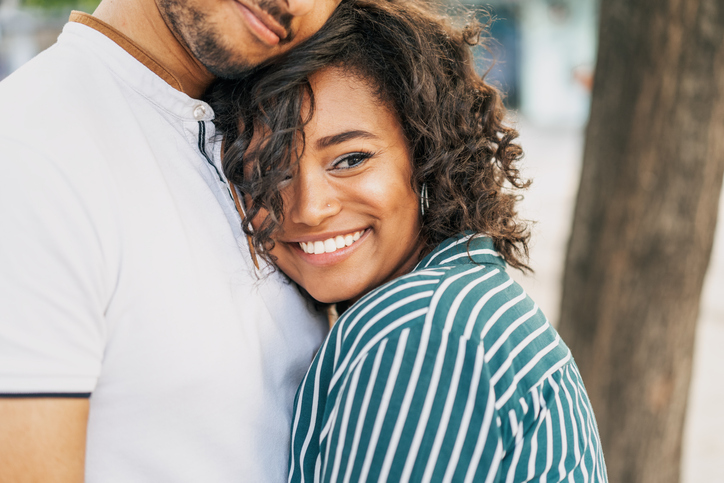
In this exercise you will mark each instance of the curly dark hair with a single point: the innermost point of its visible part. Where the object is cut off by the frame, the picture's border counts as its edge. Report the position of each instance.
(422, 68)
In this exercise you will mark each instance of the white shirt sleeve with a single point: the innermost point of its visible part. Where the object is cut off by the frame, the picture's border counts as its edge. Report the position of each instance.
(53, 288)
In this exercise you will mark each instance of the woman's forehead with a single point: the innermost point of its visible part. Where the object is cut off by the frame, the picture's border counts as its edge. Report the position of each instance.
(345, 99)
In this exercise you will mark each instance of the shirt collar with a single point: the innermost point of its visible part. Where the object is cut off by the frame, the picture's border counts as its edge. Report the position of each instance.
(128, 45)
(460, 250)
(133, 66)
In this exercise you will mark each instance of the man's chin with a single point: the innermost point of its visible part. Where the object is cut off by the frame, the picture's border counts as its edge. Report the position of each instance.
(228, 70)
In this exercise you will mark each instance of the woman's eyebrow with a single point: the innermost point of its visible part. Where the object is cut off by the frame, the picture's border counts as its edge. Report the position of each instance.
(327, 141)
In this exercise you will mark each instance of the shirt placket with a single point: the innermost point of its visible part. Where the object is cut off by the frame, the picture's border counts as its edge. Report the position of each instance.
(204, 133)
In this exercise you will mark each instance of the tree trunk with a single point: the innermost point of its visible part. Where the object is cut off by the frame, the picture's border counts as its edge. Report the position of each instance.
(644, 225)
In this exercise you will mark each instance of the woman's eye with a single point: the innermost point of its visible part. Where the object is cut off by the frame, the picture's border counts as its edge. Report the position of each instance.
(351, 160)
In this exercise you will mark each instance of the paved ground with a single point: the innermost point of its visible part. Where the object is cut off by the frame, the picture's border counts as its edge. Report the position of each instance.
(553, 161)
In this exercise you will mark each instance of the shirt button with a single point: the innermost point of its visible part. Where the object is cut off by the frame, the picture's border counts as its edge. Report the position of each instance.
(199, 112)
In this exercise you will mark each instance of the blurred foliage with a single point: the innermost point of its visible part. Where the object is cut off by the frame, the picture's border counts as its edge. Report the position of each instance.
(60, 5)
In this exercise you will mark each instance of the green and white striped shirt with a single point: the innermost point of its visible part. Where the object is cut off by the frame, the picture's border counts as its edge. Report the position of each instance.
(448, 373)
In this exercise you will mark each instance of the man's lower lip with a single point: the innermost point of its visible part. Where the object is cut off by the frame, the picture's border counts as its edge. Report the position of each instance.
(260, 30)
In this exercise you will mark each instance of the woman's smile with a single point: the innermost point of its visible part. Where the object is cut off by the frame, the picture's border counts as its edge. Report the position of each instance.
(331, 244)
(329, 250)
(325, 252)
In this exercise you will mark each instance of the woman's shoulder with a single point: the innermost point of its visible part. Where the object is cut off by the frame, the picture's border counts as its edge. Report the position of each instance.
(439, 295)
(463, 295)
(384, 313)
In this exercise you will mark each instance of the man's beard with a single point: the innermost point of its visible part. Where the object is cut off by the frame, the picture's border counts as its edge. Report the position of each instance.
(193, 29)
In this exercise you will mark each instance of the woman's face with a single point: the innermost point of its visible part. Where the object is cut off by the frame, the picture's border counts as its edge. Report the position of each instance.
(350, 213)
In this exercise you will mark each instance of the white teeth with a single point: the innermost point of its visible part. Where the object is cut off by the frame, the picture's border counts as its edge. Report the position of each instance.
(331, 244)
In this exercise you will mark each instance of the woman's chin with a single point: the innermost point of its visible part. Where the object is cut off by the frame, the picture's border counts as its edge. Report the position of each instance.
(334, 297)
(329, 298)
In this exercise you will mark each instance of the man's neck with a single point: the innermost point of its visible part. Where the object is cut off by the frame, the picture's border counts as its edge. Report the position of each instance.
(141, 22)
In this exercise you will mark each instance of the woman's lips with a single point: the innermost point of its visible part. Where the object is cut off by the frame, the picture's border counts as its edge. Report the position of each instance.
(332, 244)
(332, 257)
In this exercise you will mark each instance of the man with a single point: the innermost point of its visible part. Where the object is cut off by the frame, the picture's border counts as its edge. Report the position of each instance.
(137, 342)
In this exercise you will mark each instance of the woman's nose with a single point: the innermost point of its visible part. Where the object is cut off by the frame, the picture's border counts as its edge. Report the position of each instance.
(299, 8)
(313, 202)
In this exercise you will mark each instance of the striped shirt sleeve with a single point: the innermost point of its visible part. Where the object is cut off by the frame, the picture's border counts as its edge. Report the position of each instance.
(554, 432)
(414, 408)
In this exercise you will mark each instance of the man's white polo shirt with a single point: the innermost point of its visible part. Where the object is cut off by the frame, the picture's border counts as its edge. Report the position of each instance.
(124, 274)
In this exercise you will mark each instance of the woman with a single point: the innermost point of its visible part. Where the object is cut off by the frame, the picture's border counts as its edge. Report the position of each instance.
(379, 176)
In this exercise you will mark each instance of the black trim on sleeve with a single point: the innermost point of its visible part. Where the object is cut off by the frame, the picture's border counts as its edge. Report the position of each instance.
(78, 395)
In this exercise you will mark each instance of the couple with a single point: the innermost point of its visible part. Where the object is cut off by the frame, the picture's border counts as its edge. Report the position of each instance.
(375, 172)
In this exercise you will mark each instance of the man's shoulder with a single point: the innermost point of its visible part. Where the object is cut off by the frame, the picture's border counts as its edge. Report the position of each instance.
(55, 70)
(56, 88)
(60, 108)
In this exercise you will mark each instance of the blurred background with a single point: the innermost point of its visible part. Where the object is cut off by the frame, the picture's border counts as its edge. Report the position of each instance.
(545, 54)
